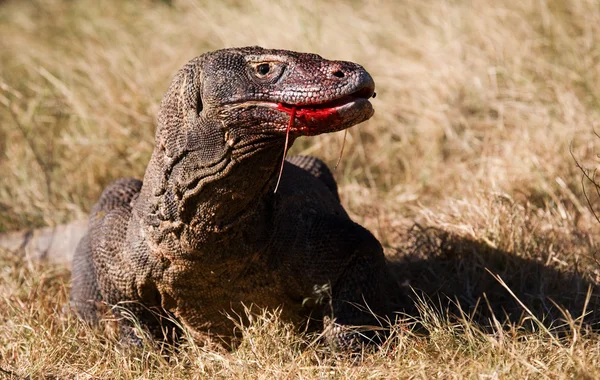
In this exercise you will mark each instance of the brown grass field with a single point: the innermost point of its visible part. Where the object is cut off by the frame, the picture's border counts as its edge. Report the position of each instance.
(467, 174)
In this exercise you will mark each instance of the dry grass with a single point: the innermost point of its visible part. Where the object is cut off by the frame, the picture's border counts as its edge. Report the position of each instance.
(477, 105)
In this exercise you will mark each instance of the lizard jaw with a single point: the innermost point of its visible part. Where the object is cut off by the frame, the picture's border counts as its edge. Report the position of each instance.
(331, 116)
(312, 119)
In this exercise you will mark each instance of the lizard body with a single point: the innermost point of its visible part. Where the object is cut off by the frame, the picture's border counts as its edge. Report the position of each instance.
(204, 233)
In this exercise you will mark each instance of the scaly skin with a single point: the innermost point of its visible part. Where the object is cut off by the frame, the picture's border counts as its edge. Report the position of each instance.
(205, 233)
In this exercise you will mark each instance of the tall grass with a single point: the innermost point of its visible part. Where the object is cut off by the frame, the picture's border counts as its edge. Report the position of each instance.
(478, 103)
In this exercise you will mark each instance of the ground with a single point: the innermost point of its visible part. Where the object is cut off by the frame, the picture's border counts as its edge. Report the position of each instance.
(467, 174)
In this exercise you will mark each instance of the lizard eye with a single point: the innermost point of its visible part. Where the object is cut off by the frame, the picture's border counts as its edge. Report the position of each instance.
(263, 69)
(266, 72)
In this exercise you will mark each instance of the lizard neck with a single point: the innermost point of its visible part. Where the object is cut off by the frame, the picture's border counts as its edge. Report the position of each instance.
(191, 208)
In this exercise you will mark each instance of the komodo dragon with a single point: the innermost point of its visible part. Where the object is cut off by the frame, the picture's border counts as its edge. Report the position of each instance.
(205, 233)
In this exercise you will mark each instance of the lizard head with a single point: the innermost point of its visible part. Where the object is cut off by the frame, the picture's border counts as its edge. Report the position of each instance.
(271, 86)
(242, 95)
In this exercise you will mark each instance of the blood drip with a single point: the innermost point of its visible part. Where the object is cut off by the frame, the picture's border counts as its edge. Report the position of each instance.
(285, 149)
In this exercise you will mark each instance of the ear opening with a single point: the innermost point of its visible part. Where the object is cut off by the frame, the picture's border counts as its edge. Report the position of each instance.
(180, 110)
(191, 88)
(199, 105)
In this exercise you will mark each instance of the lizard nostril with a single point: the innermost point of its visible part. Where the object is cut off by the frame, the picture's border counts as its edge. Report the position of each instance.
(338, 74)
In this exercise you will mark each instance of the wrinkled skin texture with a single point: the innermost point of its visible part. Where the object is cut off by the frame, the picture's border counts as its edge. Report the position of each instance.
(204, 232)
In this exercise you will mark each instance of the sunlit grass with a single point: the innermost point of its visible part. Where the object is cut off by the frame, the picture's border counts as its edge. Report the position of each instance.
(477, 105)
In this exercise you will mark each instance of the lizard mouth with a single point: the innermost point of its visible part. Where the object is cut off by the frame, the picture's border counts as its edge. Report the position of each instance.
(332, 115)
(364, 93)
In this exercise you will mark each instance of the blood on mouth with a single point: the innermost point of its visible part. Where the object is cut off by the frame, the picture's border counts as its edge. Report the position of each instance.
(309, 114)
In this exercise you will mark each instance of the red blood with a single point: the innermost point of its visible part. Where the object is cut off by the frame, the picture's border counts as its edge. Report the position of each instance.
(321, 113)
(285, 148)
(308, 114)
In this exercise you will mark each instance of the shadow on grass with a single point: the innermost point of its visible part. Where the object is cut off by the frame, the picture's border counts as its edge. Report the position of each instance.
(447, 270)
